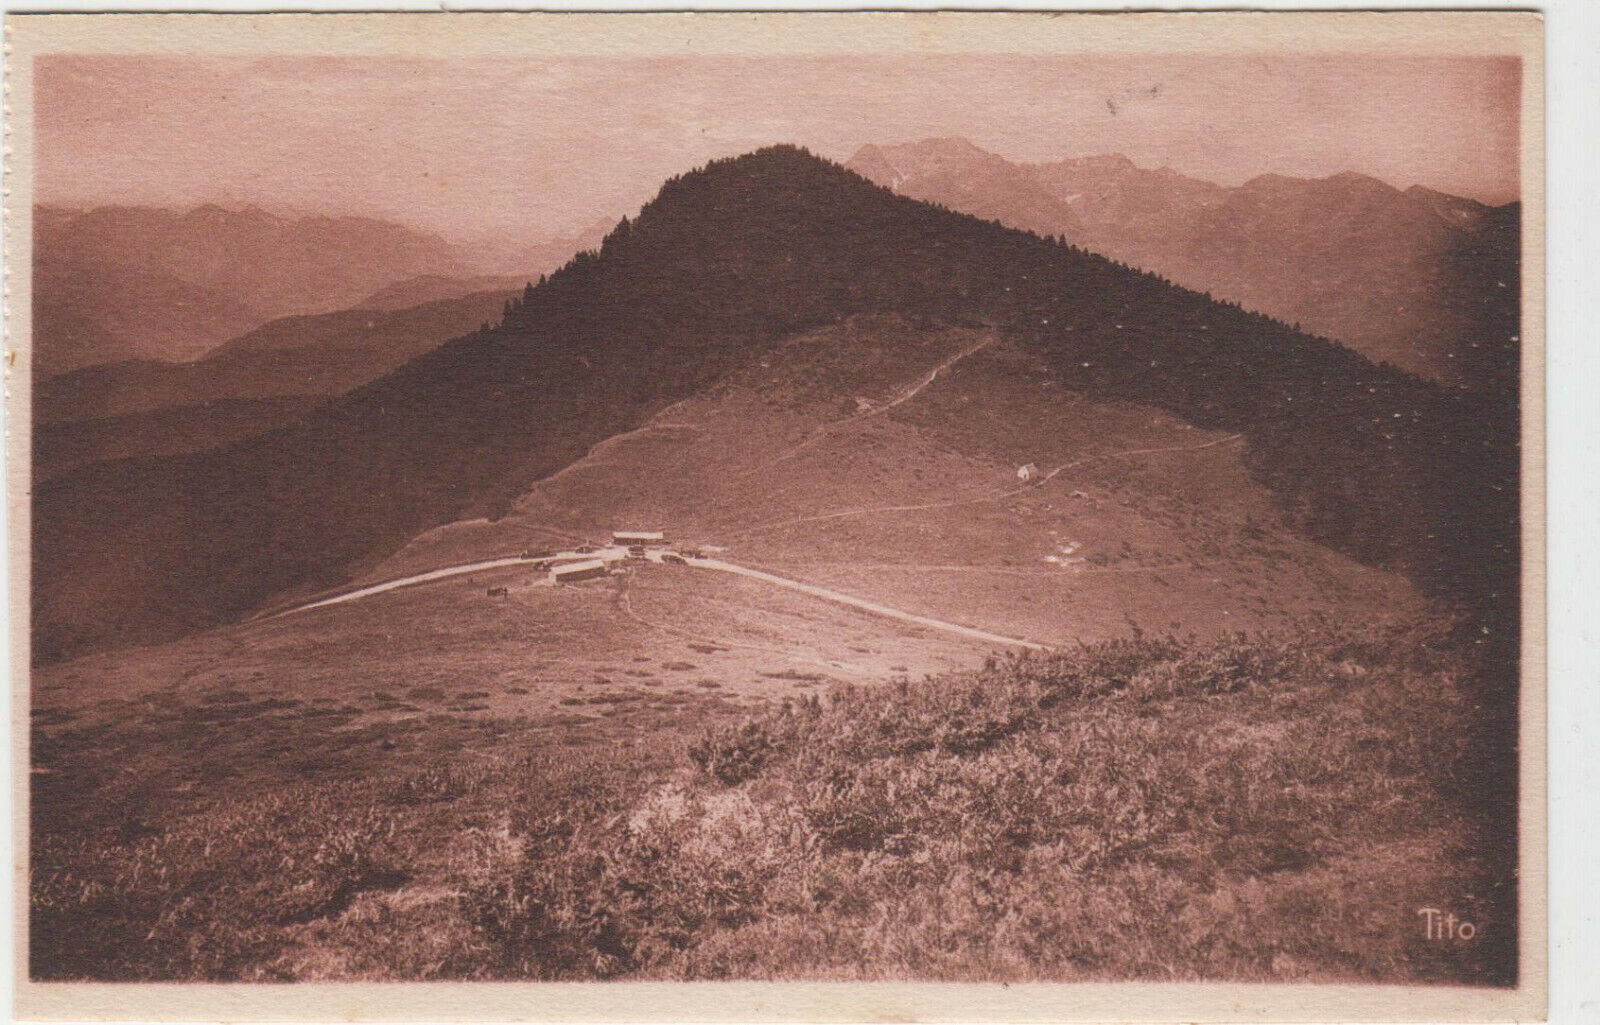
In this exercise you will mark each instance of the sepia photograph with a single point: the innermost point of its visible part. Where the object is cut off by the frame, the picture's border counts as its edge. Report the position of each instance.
(929, 500)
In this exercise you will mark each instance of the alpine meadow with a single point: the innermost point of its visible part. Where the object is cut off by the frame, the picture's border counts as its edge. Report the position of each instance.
(964, 541)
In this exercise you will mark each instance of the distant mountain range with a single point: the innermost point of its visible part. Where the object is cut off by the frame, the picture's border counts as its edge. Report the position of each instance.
(723, 267)
(323, 354)
(118, 283)
(428, 288)
(122, 283)
(257, 382)
(1404, 277)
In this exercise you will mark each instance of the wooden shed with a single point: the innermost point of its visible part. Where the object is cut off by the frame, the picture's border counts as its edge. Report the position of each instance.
(646, 538)
(572, 572)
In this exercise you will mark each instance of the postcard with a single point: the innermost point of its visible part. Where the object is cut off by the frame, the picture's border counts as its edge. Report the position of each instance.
(784, 516)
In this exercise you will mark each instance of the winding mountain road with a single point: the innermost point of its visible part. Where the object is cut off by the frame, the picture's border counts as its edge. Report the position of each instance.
(718, 565)
(866, 606)
(824, 593)
(399, 582)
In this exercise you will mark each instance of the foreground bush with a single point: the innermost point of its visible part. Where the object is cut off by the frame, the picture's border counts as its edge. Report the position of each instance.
(1247, 808)
(209, 899)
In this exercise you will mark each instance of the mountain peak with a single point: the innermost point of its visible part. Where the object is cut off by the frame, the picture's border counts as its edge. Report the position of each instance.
(911, 159)
(1348, 182)
(765, 163)
(1102, 162)
(781, 167)
(953, 146)
(216, 213)
(256, 213)
(871, 163)
(1357, 180)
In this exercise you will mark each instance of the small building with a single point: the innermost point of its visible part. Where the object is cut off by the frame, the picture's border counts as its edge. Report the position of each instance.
(1027, 472)
(630, 538)
(573, 572)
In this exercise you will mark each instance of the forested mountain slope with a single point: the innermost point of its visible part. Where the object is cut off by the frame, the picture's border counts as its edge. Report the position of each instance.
(724, 262)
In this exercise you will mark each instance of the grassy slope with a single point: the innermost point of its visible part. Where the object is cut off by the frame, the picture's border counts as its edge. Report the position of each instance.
(1250, 809)
(1239, 809)
(142, 756)
(442, 763)
(1180, 538)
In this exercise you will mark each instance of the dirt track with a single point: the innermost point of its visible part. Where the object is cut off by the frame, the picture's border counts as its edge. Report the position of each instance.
(390, 585)
(904, 397)
(976, 499)
(702, 563)
(795, 585)
(863, 604)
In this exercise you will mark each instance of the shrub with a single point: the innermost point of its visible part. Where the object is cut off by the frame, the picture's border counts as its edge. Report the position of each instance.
(1143, 808)
(736, 753)
(206, 898)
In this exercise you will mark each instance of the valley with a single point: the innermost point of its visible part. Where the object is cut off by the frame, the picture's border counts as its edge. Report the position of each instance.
(1161, 598)
(623, 333)
(956, 537)
(266, 379)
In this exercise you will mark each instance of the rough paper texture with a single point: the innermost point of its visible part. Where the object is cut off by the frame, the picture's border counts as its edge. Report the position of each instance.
(777, 516)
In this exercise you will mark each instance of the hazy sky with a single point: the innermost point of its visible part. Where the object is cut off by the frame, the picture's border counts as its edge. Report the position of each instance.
(534, 147)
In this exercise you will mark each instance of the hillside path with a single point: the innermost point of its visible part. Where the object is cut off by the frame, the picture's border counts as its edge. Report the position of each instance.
(906, 396)
(953, 503)
(866, 606)
(625, 601)
(399, 582)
